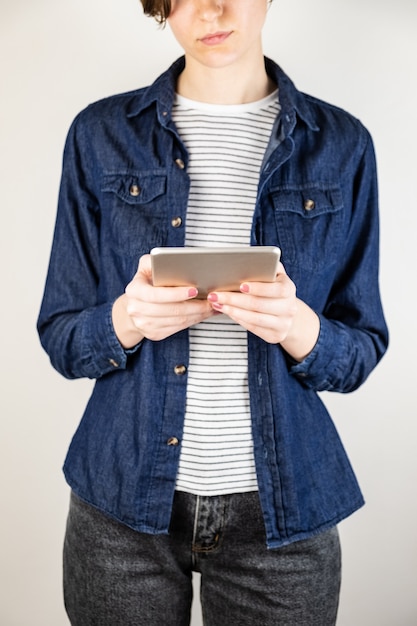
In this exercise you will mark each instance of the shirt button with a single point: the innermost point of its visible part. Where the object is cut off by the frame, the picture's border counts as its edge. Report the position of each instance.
(172, 441)
(176, 222)
(180, 370)
(309, 205)
(180, 163)
(113, 363)
(134, 190)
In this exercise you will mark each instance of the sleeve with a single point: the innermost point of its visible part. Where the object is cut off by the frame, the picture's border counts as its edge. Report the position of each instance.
(353, 333)
(75, 327)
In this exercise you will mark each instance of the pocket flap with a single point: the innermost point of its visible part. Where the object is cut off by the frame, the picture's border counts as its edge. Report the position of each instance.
(135, 188)
(308, 202)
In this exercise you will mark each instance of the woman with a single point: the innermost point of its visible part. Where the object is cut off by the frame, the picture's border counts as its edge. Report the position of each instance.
(204, 446)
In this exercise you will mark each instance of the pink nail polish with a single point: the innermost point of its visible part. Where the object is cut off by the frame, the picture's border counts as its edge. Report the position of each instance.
(192, 292)
(212, 297)
(244, 288)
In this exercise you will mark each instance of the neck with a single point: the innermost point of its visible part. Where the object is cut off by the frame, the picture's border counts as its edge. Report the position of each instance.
(224, 85)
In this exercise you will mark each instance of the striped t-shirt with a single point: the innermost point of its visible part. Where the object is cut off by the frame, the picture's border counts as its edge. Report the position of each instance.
(226, 146)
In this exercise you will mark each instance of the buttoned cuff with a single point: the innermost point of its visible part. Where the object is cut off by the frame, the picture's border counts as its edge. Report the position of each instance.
(101, 346)
(319, 368)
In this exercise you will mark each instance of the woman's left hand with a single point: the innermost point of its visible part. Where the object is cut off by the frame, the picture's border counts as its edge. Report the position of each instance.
(273, 312)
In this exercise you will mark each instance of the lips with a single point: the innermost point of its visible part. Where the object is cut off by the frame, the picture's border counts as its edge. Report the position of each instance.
(214, 39)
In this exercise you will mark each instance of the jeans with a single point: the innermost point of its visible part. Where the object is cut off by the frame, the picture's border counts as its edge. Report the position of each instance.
(115, 576)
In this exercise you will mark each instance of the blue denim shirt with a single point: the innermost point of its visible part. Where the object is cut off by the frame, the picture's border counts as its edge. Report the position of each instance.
(317, 201)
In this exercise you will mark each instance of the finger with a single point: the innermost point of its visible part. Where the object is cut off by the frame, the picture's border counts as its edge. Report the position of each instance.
(139, 289)
(274, 301)
(170, 310)
(157, 322)
(271, 328)
(282, 287)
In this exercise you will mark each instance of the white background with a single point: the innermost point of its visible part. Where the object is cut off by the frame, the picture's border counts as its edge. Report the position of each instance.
(56, 56)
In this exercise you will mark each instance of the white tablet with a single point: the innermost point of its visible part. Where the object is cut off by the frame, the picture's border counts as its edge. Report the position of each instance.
(214, 269)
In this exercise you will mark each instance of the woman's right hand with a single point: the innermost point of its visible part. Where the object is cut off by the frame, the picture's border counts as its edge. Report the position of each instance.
(154, 313)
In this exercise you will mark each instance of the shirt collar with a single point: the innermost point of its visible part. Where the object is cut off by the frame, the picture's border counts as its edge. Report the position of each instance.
(293, 102)
(162, 91)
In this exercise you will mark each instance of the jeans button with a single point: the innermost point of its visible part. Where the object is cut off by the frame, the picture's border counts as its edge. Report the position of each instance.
(134, 190)
(176, 222)
(180, 163)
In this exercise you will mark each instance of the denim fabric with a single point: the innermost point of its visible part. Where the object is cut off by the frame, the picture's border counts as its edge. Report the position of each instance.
(114, 576)
(124, 184)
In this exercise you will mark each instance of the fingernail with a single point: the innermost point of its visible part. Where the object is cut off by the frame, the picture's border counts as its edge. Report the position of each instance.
(192, 292)
(244, 288)
(212, 297)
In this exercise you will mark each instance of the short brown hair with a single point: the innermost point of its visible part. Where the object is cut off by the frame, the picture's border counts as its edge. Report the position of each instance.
(159, 9)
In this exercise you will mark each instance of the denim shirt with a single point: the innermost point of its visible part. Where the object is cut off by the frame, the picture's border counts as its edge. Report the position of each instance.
(124, 190)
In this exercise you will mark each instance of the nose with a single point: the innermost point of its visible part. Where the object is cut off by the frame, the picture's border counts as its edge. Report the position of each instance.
(210, 9)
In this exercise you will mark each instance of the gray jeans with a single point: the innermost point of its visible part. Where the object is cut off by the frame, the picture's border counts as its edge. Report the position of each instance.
(114, 576)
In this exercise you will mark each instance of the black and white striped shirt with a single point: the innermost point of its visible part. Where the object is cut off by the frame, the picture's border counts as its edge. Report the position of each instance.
(226, 145)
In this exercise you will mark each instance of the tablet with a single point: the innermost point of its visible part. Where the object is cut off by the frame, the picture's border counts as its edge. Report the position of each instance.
(213, 269)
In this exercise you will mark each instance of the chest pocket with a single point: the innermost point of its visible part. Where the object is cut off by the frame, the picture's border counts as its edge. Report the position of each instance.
(309, 224)
(135, 210)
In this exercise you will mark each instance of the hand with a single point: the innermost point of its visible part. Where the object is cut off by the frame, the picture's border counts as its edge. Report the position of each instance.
(154, 313)
(273, 312)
